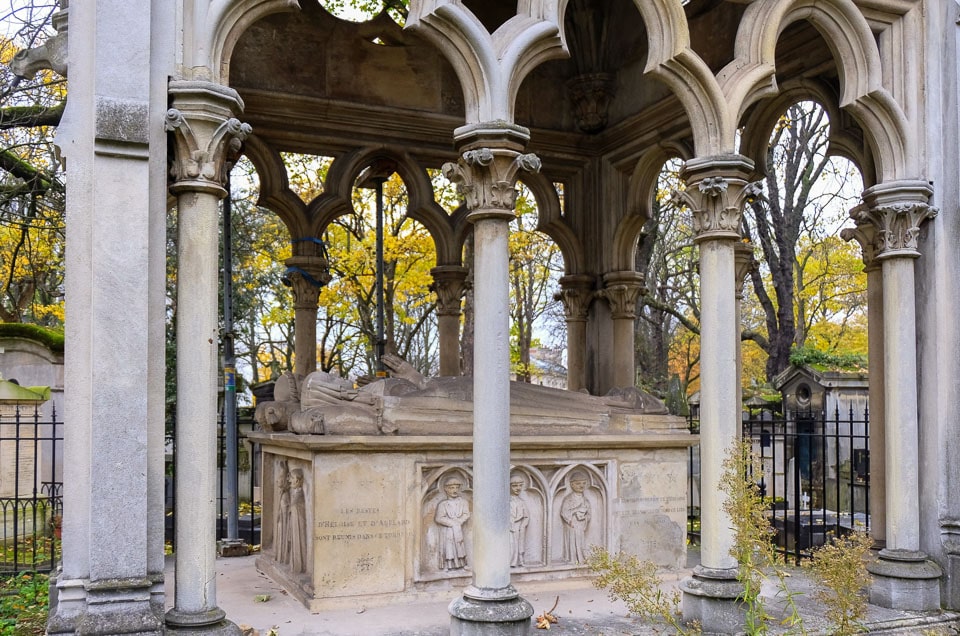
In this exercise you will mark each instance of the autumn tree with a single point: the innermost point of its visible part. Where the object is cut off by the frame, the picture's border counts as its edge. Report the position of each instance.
(535, 268)
(668, 314)
(831, 293)
(263, 329)
(807, 194)
(409, 255)
(31, 179)
(807, 284)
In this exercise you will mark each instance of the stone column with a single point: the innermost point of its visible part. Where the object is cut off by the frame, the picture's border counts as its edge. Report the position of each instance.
(576, 291)
(717, 188)
(743, 261)
(621, 290)
(866, 235)
(203, 128)
(486, 175)
(306, 276)
(449, 283)
(903, 577)
(111, 579)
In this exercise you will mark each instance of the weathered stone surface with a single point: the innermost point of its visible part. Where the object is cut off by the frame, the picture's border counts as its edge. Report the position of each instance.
(415, 405)
(374, 532)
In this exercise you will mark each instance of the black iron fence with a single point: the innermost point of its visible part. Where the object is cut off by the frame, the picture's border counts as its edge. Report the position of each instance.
(248, 469)
(31, 503)
(815, 475)
(31, 485)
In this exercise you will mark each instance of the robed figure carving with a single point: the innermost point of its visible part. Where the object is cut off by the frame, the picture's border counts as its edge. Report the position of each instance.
(298, 522)
(452, 513)
(575, 513)
(519, 521)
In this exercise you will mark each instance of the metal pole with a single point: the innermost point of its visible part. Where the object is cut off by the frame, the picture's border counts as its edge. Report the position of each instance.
(381, 343)
(229, 375)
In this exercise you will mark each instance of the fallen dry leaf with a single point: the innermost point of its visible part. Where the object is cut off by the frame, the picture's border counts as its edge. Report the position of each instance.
(545, 619)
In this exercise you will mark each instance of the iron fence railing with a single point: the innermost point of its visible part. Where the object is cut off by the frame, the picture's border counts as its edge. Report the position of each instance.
(31, 483)
(248, 468)
(815, 476)
(31, 490)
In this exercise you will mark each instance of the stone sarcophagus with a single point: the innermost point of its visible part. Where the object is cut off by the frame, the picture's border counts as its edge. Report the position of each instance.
(374, 518)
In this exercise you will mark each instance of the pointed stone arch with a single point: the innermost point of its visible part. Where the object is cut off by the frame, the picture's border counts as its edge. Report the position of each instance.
(851, 41)
(551, 222)
(209, 39)
(491, 67)
(671, 60)
(275, 193)
(885, 127)
(843, 141)
(643, 182)
(843, 26)
(336, 199)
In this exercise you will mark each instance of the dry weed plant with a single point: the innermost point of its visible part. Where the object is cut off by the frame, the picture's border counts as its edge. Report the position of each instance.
(840, 567)
(753, 546)
(638, 585)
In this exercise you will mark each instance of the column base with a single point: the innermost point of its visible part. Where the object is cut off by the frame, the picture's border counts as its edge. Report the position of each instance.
(711, 597)
(158, 594)
(210, 623)
(950, 592)
(490, 612)
(109, 606)
(905, 580)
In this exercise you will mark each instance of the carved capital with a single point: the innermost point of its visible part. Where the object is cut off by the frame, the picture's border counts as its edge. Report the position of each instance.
(865, 233)
(576, 292)
(717, 189)
(487, 178)
(449, 284)
(205, 132)
(622, 290)
(896, 211)
(306, 276)
(897, 227)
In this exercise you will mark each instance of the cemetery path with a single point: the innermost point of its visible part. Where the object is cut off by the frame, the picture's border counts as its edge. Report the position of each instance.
(253, 601)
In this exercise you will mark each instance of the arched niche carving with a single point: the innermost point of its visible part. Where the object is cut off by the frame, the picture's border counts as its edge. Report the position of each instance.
(226, 20)
(438, 536)
(290, 540)
(533, 495)
(578, 516)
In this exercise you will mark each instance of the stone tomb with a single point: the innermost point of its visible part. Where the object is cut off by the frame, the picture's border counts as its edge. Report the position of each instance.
(376, 518)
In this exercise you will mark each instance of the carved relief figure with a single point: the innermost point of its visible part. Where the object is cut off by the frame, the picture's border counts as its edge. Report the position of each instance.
(451, 514)
(519, 520)
(298, 522)
(282, 544)
(575, 514)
